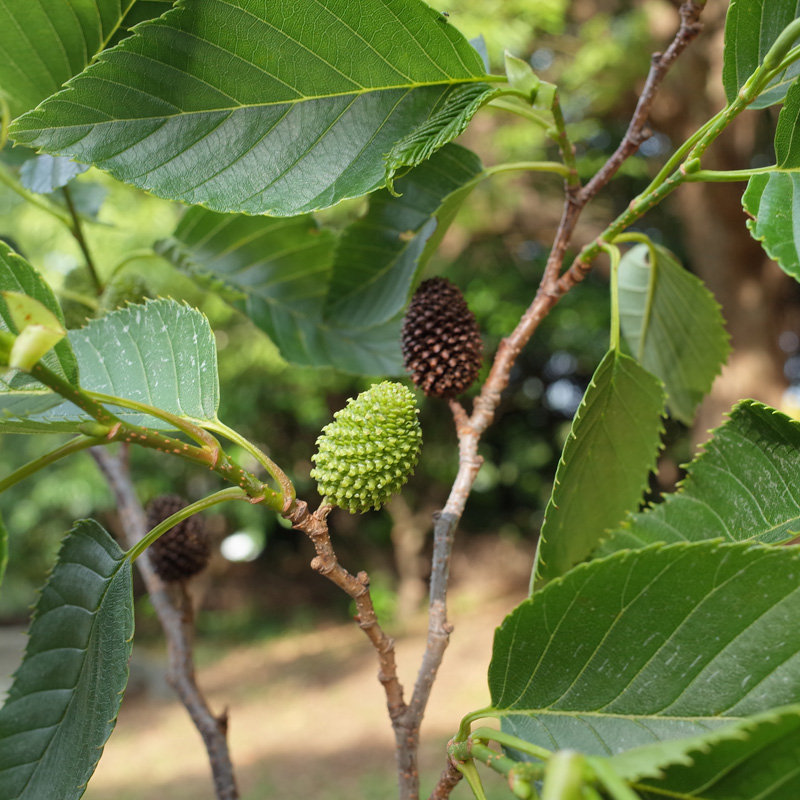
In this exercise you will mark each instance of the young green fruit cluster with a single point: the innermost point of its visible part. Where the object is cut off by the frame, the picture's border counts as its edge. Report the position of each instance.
(369, 450)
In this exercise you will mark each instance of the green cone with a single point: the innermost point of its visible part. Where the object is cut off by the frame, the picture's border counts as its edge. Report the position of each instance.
(369, 450)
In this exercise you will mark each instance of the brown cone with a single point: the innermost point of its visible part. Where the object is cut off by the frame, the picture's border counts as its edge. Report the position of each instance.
(442, 346)
(182, 551)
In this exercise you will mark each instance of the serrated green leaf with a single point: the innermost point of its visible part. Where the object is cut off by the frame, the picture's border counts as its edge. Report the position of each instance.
(44, 174)
(673, 326)
(754, 759)
(446, 124)
(64, 701)
(771, 197)
(208, 105)
(650, 645)
(751, 28)
(379, 256)
(43, 44)
(604, 468)
(740, 489)
(17, 275)
(162, 354)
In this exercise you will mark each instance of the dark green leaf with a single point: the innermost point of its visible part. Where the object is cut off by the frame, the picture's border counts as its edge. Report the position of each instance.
(64, 701)
(444, 126)
(17, 275)
(43, 44)
(650, 645)
(269, 108)
(755, 759)
(604, 469)
(673, 326)
(44, 174)
(770, 197)
(751, 28)
(379, 256)
(162, 354)
(741, 488)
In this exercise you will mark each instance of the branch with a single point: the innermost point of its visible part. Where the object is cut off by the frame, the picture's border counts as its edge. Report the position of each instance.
(174, 610)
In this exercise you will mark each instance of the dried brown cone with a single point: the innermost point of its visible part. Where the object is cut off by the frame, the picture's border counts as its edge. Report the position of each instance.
(442, 346)
(182, 551)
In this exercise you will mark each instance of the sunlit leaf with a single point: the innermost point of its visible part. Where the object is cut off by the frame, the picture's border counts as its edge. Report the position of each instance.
(650, 645)
(270, 108)
(44, 43)
(162, 354)
(673, 326)
(741, 488)
(604, 469)
(770, 197)
(751, 28)
(64, 701)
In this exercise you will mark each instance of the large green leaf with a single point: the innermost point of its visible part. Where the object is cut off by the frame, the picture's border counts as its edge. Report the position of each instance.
(64, 701)
(673, 326)
(604, 468)
(650, 645)
(751, 28)
(43, 43)
(323, 304)
(741, 488)
(771, 197)
(162, 354)
(241, 105)
(17, 275)
(755, 759)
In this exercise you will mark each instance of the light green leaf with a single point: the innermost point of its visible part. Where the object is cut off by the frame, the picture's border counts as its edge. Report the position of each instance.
(17, 275)
(604, 468)
(444, 126)
(751, 28)
(44, 174)
(379, 256)
(270, 108)
(162, 354)
(754, 759)
(650, 645)
(771, 198)
(740, 489)
(44, 43)
(64, 701)
(673, 326)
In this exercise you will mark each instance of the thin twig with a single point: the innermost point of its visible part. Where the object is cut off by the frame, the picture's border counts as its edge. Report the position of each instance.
(174, 610)
(77, 232)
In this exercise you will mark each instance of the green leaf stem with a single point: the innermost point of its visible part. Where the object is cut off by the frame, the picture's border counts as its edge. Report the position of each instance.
(603, 472)
(64, 701)
(673, 326)
(269, 108)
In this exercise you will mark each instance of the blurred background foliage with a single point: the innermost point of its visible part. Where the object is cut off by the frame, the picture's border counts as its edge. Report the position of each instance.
(598, 51)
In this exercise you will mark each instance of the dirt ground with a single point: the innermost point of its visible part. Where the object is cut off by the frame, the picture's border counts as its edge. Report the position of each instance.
(307, 714)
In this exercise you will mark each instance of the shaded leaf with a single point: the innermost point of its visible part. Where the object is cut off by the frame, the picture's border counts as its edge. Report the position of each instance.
(162, 353)
(208, 104)
(604, 468)
(17, 275)
(751, 28)
(43, 44)
(650, 645)
(379, 255)
(740, 489)
(64, 701)
(673, 326)
(44, 174)
(771, 197)
(444, 126)
(753, 759)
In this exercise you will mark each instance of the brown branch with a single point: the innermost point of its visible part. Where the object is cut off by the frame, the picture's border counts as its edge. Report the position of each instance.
(174, 610)
(448, 780)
